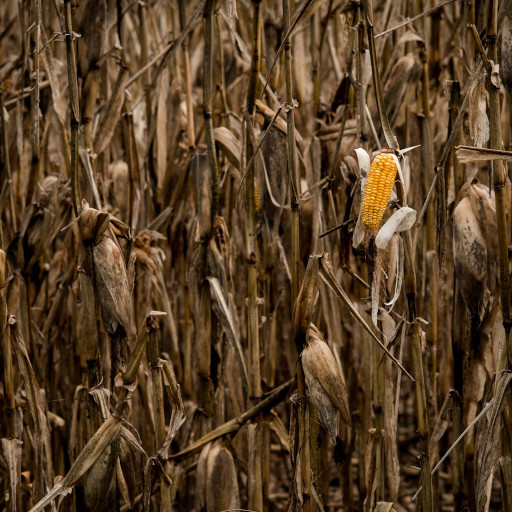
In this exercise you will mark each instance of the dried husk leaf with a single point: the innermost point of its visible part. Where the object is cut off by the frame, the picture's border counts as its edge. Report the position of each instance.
(229, 144)
(274, 153)
(87, 300)
(93, 30)
(92, 223)
(11, 449)
(221, 480)
(401, 220)
(122, 485)
(120, 175)
(469, 154)
(327, 412)
(111, 114)
(172, 386)
(176, 421)
(506, 54)
(384, 506)
(40, 429)
(100, 482)
(201, 478)
(305, 303)
(224, 315)
(475, 248)
(478, 120)
(269, 115)
(400, 85)
(161, 133)
(152, 258)
(487, 449)
(112, 286)
(202, 180)
(100, 441)
(320, 366)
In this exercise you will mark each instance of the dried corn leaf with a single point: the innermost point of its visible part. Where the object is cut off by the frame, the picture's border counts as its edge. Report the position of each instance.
(229, 144)
(224, 315)
(93, 30)
(40, 429)
(100, 481)
(98, 443)
(469, 154)
(441, 425)
(173, 385)
(400, 86)
(161, 134)
(111, 114)
(326, 272)
(175, 423)
(201, 478)
(488, 450)
(305, 302)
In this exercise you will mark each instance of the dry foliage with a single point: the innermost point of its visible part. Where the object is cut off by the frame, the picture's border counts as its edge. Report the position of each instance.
(193, 313)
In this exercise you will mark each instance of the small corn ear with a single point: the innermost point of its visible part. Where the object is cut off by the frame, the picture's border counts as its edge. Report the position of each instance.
(326, 387)
(378, 189)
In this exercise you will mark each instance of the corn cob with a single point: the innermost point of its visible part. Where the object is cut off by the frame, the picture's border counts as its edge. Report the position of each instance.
(378, 189)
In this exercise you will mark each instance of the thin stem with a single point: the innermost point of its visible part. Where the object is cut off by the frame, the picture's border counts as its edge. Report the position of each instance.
(208, 103)
(73, 108)
(255, 490)
(158, 403)
(500, 178)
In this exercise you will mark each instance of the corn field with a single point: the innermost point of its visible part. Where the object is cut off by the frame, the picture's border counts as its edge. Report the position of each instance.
(255, 255)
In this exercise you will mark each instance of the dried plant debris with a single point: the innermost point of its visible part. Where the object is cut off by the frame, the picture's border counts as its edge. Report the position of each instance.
(255, 255)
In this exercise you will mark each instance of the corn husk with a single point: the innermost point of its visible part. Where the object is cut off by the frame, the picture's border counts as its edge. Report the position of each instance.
(327, 390)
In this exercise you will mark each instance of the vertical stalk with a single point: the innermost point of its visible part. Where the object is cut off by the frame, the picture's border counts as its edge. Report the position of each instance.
(410, 284)
(422, 418)
(144, 51)
(5, 341)
(255, 490)
(315, 71)
(7, 163)
(384, 120)
(432, 264)
(158, 403)
(73, 108)
(304, 461)
(204, 349)
(35, 41)
(208, 102)
(186, 76)
(499, 179)
(458, 329)
(361, 89)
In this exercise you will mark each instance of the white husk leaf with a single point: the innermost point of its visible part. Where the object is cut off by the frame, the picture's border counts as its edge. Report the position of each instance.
(402, 220)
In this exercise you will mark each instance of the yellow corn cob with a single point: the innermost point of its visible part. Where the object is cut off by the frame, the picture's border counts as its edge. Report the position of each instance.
(378, 189)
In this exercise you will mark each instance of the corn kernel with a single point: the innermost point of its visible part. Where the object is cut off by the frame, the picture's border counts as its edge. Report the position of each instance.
(378, 190)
